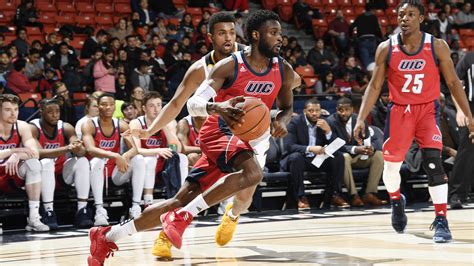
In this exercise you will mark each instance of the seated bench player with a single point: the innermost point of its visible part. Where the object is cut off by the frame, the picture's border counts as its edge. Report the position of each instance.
(61, 156)
(154, 150)
(101, 136)
(19, 164)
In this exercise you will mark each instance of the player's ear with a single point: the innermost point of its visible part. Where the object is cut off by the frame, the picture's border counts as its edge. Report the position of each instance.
(256, 35)
(209, 35)
(422, 17)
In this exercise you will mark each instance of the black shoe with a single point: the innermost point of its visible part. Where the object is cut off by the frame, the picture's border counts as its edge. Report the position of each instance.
(83, 218)
(49, 219)
(455, 202)
(399, 218)
(442, 233)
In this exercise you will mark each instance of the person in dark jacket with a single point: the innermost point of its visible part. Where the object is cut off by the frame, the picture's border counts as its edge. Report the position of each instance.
(379, 111)
(21, 42)
(92, 43)
(26, 15)
(307, 136)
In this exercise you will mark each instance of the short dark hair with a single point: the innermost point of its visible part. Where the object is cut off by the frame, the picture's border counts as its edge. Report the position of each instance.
(106, 94)
(313, 100)
(19, 64)
(101, 32)
(125, 105)
(149, 96)
(9, 98)
(45, 102)
(414, 3)
(344, 101)
(19, 29)
(34, 51)
(220, 17)
(257, 19)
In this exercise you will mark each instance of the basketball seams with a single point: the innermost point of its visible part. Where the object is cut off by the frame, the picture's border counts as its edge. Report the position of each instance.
(256, 124)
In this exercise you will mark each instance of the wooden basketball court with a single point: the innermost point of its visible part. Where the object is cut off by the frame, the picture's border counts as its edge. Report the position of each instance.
(362, 237)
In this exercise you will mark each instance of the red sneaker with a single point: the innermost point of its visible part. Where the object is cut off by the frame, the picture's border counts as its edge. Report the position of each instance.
(174, 224)
(100, 248)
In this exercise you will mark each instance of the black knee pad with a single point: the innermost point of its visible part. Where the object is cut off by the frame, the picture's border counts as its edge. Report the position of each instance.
(433, 166)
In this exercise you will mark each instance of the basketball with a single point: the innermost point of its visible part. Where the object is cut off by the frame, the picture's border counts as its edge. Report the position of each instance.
(256, 119)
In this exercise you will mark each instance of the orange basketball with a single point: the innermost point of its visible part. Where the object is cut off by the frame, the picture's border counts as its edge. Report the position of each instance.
(256, 119)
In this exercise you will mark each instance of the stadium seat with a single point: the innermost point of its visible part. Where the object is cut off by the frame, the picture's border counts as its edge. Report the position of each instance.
(78, 98)
(85, 8)
(104, 1)
(45, 7)
(33, 31)
(32, 38)
(7, 5)
(50, 28)
(179, 3)
(5, 19)
(391, 11)
(47, 19)
(344, 3)
(29, 99)
(383, 22)
(86, 20)
(359, 3)
(359, 10)
(315, 4)
(466, 32)
(392, 3)
(379, 13)
(320, 27)
(211, 10)
(269, 4)
(196, 21)
(104, 21)
(77, 43)
(66, 20)
(83, 62)
(305, 71)
(104, 8)
(348, 12)
(123, 8)
(330, 4)
(174, 21)
(285, 12)
(66, 8)
(393, 20)
(194, 11)
(310, 82)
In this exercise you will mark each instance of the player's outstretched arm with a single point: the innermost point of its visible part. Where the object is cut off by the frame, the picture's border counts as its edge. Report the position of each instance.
(191, 81)
(373, 89)
(443, 53)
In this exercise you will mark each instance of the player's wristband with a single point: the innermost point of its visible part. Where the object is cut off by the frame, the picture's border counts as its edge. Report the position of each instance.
(197, 105)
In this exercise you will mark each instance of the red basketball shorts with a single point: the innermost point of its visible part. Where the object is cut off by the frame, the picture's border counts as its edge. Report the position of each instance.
(9, 183)
(408, 122)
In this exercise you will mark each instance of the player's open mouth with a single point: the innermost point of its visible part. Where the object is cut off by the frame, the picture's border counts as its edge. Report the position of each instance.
(228, 45)
(404, 27)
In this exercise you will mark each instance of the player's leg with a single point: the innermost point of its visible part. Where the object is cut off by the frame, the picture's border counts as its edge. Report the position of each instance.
(48, 185)
(97, 166)
(135, 172)
(150, 175)
(77, 171)
(429, 138)
(395, 147)
(30, 171)
(183, 167)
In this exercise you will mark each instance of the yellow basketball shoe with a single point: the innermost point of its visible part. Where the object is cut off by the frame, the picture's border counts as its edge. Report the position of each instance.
(225, 231)
(162, 246)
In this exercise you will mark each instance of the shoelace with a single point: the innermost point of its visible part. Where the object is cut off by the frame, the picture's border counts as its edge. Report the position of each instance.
(435, 224)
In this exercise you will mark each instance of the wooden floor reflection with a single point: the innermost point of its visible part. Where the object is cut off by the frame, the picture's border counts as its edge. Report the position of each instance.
(338, 238)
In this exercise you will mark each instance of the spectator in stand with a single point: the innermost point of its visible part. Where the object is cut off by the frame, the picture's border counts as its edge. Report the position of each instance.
(26, 15)
(206, 15)
(36, 44)
(201, 50)
(121, 31)
(299, 57)
(449, 13)
(239, 26)
(176, 72)
(92, 43)
(88, 71)
(326, 83)
(339, 32)
(160, 30)
(137, 99)
(345, 84)
(172, 53)
(68, 112)
(51, 41)
(129, 112)
(104, 73)
(73, 81)
(202, 33)
(141, 77)
(17, 81)
(164, 8)
(46, 82)
(5, 67)
(368, 31)
(63, 57)
(350, 66)
(293, 43)
(115, 47)
(21, 42)
(34, 66)
(305, 14)
(455, 58)
(91, 109)
(133, 52)
(13, 53)
(464, 18)
(186, 25)
(380, 109)
(122, 88)
(320, 58)
(155, 66)
(3, 45)
(147, 16)
(431, 13)
(237, 5)
(187, 45)
(444, 26)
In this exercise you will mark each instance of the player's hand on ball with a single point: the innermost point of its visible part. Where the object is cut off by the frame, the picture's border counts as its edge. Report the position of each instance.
(359, 131)
(231, 114)
(278, 129)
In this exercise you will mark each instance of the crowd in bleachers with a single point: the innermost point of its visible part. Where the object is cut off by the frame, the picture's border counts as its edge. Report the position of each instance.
(129, 48)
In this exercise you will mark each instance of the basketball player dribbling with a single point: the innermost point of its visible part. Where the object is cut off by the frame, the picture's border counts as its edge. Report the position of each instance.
(412, 61)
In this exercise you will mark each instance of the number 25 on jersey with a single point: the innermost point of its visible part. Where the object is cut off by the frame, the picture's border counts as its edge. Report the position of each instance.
(413, 83)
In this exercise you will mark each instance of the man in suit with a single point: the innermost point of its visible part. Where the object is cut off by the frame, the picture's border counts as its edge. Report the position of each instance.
(307, 136)
(357, 156)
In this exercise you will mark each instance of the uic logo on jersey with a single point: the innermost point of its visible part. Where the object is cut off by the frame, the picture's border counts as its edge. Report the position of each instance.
(412, 65)
(107, 144)
(7, 146)
(259, 87)
(51, 145)
(153, 142)
(437, 138)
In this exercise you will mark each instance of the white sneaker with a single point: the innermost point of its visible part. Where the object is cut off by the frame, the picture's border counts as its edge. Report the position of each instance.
(135, 211)
(101, 217)
(36, 225)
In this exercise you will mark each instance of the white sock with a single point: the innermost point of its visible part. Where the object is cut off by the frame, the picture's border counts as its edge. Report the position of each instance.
(439, 194)
(231, 215)
(48, 206)
(81, 204)
(148, 198)
(34, 209)
(121, 230)
(196, 206)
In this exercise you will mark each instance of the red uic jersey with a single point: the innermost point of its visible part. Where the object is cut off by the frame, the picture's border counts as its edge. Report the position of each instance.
(107, 143)
(157, 140)
(12, 142)
(247, 82)
(56, 141)
(413, 78)
(193, 134)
